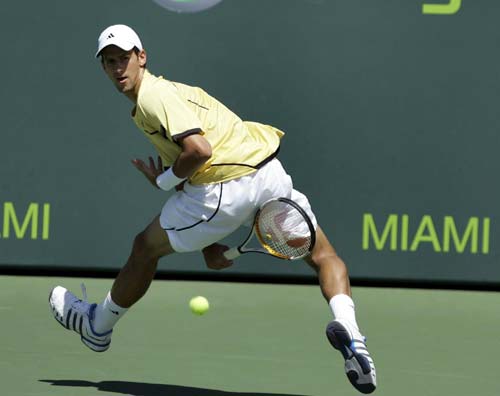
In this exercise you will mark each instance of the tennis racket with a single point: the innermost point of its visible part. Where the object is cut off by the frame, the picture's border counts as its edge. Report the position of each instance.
(282, 228)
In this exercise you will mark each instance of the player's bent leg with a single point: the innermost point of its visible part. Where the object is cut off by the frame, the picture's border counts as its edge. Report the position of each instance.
(131, 284)
(135, 277)
(342, 332)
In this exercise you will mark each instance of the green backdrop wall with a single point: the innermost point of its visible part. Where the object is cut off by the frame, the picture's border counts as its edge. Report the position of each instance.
(390, 109)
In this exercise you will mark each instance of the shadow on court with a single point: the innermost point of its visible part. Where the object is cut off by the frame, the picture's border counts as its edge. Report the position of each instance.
(144, 389)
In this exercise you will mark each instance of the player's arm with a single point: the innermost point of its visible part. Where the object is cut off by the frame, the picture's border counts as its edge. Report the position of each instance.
(196, 150)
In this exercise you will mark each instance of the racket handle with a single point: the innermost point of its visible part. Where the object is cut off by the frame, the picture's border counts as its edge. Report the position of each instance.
(232, 253)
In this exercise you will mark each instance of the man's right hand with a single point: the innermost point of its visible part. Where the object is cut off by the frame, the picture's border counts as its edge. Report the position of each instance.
(152, 171)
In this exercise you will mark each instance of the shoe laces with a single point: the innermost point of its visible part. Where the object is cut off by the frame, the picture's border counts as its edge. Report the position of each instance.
(84, 292)
(81, 305)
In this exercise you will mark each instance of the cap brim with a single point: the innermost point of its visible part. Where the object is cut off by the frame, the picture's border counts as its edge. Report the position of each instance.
(123, 46)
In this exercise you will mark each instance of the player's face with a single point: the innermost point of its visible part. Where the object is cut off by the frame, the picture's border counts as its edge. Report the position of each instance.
(124, 69)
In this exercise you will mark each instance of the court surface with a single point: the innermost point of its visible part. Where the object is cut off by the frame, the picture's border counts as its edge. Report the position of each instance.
(257, 340)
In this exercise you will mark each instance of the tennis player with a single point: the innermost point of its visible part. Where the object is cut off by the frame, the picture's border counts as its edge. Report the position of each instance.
(223, 169)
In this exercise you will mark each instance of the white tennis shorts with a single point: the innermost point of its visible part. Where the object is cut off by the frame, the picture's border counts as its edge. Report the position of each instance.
(201, 215)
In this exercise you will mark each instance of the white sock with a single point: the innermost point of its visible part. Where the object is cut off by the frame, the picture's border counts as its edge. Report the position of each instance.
(343, 309)
(107, 314)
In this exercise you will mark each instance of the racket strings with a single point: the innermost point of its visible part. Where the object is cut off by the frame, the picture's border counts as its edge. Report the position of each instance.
(283, 231)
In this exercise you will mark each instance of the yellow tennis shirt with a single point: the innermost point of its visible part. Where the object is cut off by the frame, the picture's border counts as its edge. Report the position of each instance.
(167, 111)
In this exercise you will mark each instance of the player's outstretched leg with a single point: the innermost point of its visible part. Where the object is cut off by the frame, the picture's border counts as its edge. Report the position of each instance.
(77, 315)
(343, 332)
(359, 365)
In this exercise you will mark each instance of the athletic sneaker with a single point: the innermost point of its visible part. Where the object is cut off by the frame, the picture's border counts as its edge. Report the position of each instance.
(359, 365)
(77, 315)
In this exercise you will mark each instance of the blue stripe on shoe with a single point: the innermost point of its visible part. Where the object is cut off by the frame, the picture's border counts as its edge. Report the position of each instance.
(90, 335)
(96, 344)
(75, 318)
(68, 318)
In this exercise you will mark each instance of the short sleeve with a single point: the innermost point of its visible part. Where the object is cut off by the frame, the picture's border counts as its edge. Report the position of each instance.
(166, 110)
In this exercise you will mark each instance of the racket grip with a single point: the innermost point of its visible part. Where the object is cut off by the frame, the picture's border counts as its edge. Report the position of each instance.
(232, 253)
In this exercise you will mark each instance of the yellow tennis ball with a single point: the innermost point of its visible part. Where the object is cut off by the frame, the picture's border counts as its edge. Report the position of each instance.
(199, 305)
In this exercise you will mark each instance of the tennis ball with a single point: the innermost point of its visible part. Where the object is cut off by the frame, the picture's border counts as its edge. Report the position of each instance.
(199, 305)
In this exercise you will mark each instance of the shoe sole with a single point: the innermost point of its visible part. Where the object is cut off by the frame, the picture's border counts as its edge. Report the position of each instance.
(340, 339)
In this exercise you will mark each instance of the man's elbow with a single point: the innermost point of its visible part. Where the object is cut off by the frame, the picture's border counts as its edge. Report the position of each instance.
(206, 152)
(197, 148)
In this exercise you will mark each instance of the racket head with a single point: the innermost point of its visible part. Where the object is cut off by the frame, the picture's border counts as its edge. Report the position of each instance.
(284, 229)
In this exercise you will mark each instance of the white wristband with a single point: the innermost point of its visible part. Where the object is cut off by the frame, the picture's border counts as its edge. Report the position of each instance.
(167, 180)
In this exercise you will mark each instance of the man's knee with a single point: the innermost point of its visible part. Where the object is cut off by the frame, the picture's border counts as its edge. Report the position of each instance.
(325, 256)
(150, 248)
(141, 246)
(319, 257)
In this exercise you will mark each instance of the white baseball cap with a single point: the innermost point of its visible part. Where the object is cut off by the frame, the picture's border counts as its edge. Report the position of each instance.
(120, 35)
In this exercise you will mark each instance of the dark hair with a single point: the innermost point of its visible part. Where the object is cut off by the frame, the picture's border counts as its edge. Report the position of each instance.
(136, 51)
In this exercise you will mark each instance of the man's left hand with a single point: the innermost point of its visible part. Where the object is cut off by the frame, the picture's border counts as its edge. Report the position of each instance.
(214, 256)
